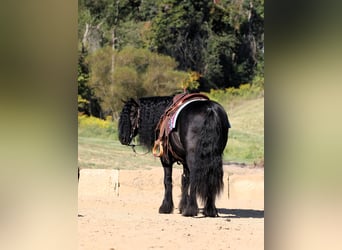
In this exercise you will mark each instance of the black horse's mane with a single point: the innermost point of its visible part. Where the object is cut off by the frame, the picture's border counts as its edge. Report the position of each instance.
(151, 109)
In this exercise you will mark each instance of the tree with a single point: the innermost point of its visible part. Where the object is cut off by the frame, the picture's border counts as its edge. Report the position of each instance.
(191, 82)
(219, 40)
(161, 78)
(137, 73)
(87, 101)
(180, 30)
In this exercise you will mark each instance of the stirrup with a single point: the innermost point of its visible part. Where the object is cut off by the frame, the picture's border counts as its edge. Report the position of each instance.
(158, 148)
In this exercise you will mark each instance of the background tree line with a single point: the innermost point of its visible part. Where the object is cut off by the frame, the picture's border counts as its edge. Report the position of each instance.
(132, 48)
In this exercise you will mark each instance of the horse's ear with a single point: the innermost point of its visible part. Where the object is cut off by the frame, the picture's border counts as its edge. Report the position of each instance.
(131, 100)
(134, 102)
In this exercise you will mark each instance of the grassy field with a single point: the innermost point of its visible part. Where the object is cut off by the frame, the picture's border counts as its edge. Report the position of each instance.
(246, 136)
(107, 153)
(245, 142)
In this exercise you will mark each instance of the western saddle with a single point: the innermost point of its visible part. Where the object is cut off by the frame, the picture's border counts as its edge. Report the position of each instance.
(164, 127)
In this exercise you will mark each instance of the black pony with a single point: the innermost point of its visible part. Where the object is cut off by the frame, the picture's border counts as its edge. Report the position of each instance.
(199, 138)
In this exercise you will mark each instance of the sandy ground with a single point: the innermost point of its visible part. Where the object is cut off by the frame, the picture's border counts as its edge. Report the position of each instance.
(119, 210)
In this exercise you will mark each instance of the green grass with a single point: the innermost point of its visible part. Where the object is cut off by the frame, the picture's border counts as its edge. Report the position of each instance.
(245, 141)
(246, 136)
(110, 154)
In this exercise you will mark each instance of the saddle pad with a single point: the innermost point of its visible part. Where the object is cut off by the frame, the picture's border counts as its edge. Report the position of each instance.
(173, 120)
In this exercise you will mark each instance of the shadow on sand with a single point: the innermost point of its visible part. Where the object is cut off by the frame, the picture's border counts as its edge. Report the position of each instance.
(240, 213)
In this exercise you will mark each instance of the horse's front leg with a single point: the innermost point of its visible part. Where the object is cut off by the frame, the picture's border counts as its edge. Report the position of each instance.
(167, 205)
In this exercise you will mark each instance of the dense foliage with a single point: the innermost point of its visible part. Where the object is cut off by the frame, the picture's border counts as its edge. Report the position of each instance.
(154, 47)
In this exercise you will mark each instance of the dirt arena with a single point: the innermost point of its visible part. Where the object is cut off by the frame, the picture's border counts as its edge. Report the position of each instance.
(119, 210)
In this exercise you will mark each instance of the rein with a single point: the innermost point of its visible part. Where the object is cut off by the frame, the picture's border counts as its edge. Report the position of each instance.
(133, 149)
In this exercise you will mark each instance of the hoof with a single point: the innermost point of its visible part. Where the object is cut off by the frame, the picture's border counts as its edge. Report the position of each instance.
(189, 212)
(181, 207)
(210, 212)
(166, 209)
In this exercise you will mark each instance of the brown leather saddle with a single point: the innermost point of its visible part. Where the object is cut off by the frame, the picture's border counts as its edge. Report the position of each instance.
(168, 121)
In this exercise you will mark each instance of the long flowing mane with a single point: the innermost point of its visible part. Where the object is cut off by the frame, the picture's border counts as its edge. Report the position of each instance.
(151, 109)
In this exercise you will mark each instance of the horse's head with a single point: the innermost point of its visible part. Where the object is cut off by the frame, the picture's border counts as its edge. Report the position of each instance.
(129, 122)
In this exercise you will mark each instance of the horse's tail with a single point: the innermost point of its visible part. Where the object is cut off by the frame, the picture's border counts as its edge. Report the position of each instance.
(208, 172)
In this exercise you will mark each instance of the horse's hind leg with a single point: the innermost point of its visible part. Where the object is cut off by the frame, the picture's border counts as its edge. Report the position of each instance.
(210, 208)
(167, 205)
(185, 189)
(191, 208)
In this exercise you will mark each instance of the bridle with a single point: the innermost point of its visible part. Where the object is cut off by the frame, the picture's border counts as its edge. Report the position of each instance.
(134, 118)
